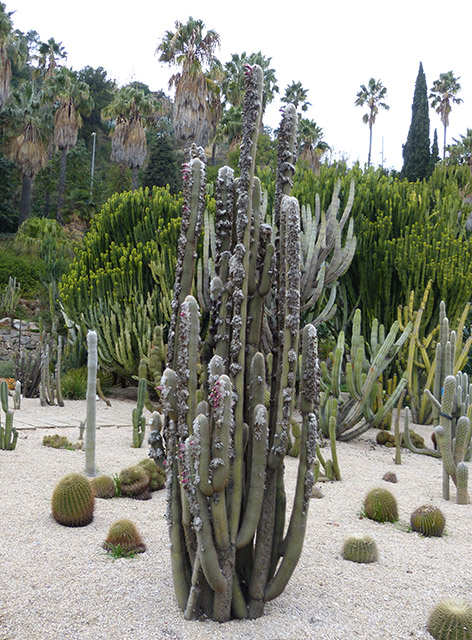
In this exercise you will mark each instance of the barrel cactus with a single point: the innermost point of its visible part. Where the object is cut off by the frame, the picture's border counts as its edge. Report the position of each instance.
(123, 539)
(451, 620)
(428, 520)
(360, 549)
(134, 483)
(157, 476)
(103, 487)
(380, 505)
(73, 501)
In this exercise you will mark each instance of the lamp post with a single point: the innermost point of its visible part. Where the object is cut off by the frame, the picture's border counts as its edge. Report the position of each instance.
(94, 136)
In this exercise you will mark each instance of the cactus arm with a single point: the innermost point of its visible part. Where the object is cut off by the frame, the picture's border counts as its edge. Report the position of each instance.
(90, 433)
(221, 399)
(256, 484)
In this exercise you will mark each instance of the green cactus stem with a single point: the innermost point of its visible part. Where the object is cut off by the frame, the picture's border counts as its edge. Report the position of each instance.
(138, 420)
(73, 501)
(91, 400)
(360, 549)
(380, 505)
(451, 619)
(428, 520)
(124, 534)
(103, 487)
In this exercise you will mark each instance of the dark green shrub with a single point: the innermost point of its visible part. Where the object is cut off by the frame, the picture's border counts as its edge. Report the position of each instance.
(380, 505)
(28, 270)
(7, 369)
(73, 501)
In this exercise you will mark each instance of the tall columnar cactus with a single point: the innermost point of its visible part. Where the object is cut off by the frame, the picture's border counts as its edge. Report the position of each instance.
(230, 549)
(91, 398)
(8, 433)
(139, 421)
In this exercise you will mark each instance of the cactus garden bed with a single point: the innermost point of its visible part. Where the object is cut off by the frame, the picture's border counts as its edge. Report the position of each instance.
(58, 582)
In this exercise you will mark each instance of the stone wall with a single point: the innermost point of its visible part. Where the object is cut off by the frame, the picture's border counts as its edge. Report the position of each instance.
(12, 339)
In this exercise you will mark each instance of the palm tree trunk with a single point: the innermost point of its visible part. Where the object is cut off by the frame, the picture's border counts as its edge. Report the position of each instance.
(444, 142)
(370, 145)
(134, 178)
(62, 187)
(25, 202)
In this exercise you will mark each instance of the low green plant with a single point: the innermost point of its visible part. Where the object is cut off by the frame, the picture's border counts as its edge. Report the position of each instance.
(7, 369)
(360, 549)
(380, 505)
(28, 270)
(428, 520)
(123, 540)
(61, 442)
(451, 619)
(73, 501)
(74, 384)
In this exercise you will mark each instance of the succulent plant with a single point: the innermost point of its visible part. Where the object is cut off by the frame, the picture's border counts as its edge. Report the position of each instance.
(428, 520)
(56, 441)
(73, 501)
(380, 505)
(360, 549)
(134, 483)
(451, 620)
(157, 477)
(103, 487)
(124, 535)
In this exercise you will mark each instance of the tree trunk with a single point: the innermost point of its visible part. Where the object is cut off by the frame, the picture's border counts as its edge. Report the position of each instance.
(444, 142)
(134, 178)
(25, 202)
(62, 187)
(370, 145)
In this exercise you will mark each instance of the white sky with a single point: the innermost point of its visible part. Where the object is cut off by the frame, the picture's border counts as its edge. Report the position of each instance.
(332, 47)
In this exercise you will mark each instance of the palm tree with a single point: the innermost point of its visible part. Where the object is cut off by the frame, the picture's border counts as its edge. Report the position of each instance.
(28, 119)
(190, 48)
(71, 98)
(234, 82)
(13, 44)
(295, 94)
(128, 110)
(48, 55)
(443, 95)
(461, 150)
(372, 97)
(311, 145)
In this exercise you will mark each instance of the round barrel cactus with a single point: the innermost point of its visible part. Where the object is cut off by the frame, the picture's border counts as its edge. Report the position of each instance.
(428, 520)
(451, 620)
(134, 483)
(157, 476)
(124, 537)
(360, 549)
(73, 501)
(103, 487)
(380, 505)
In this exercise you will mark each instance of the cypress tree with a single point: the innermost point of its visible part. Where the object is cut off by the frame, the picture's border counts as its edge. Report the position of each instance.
(163, 165)
(434, 159)
(416, 154)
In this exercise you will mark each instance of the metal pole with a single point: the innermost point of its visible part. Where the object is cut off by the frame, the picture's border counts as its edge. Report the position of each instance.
(94, 136)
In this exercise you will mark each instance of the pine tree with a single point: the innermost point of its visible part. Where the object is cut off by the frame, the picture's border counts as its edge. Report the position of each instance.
(416, 154)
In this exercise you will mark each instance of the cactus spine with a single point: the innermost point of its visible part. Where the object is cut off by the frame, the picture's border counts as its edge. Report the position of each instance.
(90, 431)
(225, 487)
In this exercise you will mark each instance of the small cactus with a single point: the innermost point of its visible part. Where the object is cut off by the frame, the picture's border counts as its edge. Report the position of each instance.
(390, 476)
(428, 520)
(157, 476)
(73, 501)
(380, 505)
(451, 620)
(123, 535)
(134, 483)
(103, 487)
(360, 549)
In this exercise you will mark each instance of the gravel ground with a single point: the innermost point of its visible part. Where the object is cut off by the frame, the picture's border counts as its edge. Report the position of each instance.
(57, 582)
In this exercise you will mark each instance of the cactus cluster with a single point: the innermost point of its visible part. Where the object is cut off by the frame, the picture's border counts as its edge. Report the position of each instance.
(428, 520)
(231, 551)
(73, 501)
(8, 433)
(134, 482)
(360, 549)
(451, 619)
(380, 505)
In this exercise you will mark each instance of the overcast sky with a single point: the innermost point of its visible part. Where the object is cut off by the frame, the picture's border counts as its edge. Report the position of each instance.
(331, 47)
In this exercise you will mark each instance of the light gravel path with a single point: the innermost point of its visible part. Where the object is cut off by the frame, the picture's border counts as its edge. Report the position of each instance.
(57, 582)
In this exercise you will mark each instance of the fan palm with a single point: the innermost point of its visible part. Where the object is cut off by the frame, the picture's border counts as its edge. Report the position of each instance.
(128, 110)
(443, 95)
(373, 97)
(461, 150)
(234, 83)
(311, 145)
(48, 55)
(28, 120)
(189, 47)
(71, 98)
(295, 94)
(12, 45)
